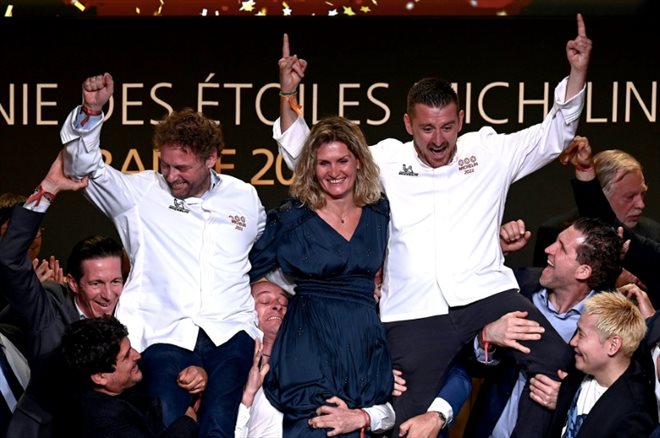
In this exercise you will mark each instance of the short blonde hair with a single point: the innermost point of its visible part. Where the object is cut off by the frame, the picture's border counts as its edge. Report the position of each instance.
(612, 162)
(307, 189)
(617, 316)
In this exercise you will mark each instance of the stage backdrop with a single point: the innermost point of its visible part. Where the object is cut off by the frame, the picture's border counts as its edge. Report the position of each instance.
(504, 69)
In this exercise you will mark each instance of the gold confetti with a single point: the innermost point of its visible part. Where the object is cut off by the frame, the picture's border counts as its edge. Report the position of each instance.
(78, 5)
(348, 11)
(287, 10)
(159, 12)
(262, 12)
(137, 11)
(365, 9)
(332, 13)
(329, 4)
(8, 12)
(247, 6)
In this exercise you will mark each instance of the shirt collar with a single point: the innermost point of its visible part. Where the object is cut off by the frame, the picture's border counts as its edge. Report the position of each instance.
(577, 309)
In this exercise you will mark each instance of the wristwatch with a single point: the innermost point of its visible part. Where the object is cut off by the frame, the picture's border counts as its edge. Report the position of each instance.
(443, 418)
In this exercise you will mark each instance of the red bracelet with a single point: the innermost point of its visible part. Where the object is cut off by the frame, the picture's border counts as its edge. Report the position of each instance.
(39, 193)
(485, 342)
(88, 112)
(367, 424)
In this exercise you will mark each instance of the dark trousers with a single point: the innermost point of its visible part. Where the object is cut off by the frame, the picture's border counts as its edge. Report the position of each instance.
(423, 349)
(227, 366)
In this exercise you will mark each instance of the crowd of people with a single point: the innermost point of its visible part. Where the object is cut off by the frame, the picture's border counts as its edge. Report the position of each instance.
(341, 312)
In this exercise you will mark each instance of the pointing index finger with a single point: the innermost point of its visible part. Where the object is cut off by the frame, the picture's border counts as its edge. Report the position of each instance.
(285, 46)
(581, 29)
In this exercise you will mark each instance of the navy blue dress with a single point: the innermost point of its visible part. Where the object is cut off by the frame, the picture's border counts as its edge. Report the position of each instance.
(331, 342)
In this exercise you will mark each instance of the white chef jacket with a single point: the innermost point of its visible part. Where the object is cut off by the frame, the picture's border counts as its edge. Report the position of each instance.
(444, 248)
(189, 258)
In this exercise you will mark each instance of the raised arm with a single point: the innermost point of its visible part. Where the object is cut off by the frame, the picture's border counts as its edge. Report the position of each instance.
(20, 282)
(97, 91)
(292, 70)
(81, 131)
(578, 52)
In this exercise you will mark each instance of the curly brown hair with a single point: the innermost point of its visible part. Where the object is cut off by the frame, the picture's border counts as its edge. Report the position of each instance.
(189, 129)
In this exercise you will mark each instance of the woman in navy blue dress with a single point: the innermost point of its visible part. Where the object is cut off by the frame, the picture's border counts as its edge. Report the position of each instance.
(330, 239)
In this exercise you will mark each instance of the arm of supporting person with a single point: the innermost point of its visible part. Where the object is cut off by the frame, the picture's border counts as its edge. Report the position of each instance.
(643, 255)
(336, 415)
(20, 283)
(453, 393)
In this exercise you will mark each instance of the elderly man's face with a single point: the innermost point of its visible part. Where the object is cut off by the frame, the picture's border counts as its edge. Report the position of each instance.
(626, 197)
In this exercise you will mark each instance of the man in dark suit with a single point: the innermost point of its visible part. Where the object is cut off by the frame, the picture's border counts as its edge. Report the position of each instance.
(622, 183)
(643, 256)
(583, 260)
(99, 356)
(613, 397)
(95, 284)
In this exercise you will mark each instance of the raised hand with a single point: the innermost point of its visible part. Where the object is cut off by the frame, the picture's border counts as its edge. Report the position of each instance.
(640, 297)
(578, 153)
(513, 236)
(292, 69)
(578, 52)
(256, 375)
(43, 271)
(97, 91)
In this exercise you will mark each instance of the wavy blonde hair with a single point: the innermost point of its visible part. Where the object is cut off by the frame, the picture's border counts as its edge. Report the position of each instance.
(306, 188)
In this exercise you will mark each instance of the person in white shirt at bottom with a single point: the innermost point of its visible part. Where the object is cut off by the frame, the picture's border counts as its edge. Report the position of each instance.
(444, 276)
(257, 417)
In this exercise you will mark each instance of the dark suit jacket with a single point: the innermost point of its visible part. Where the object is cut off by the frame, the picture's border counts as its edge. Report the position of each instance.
(128, 415)
(44, 314)
(500, 380)
(549, 230)
(627, 409)
(643, 256)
